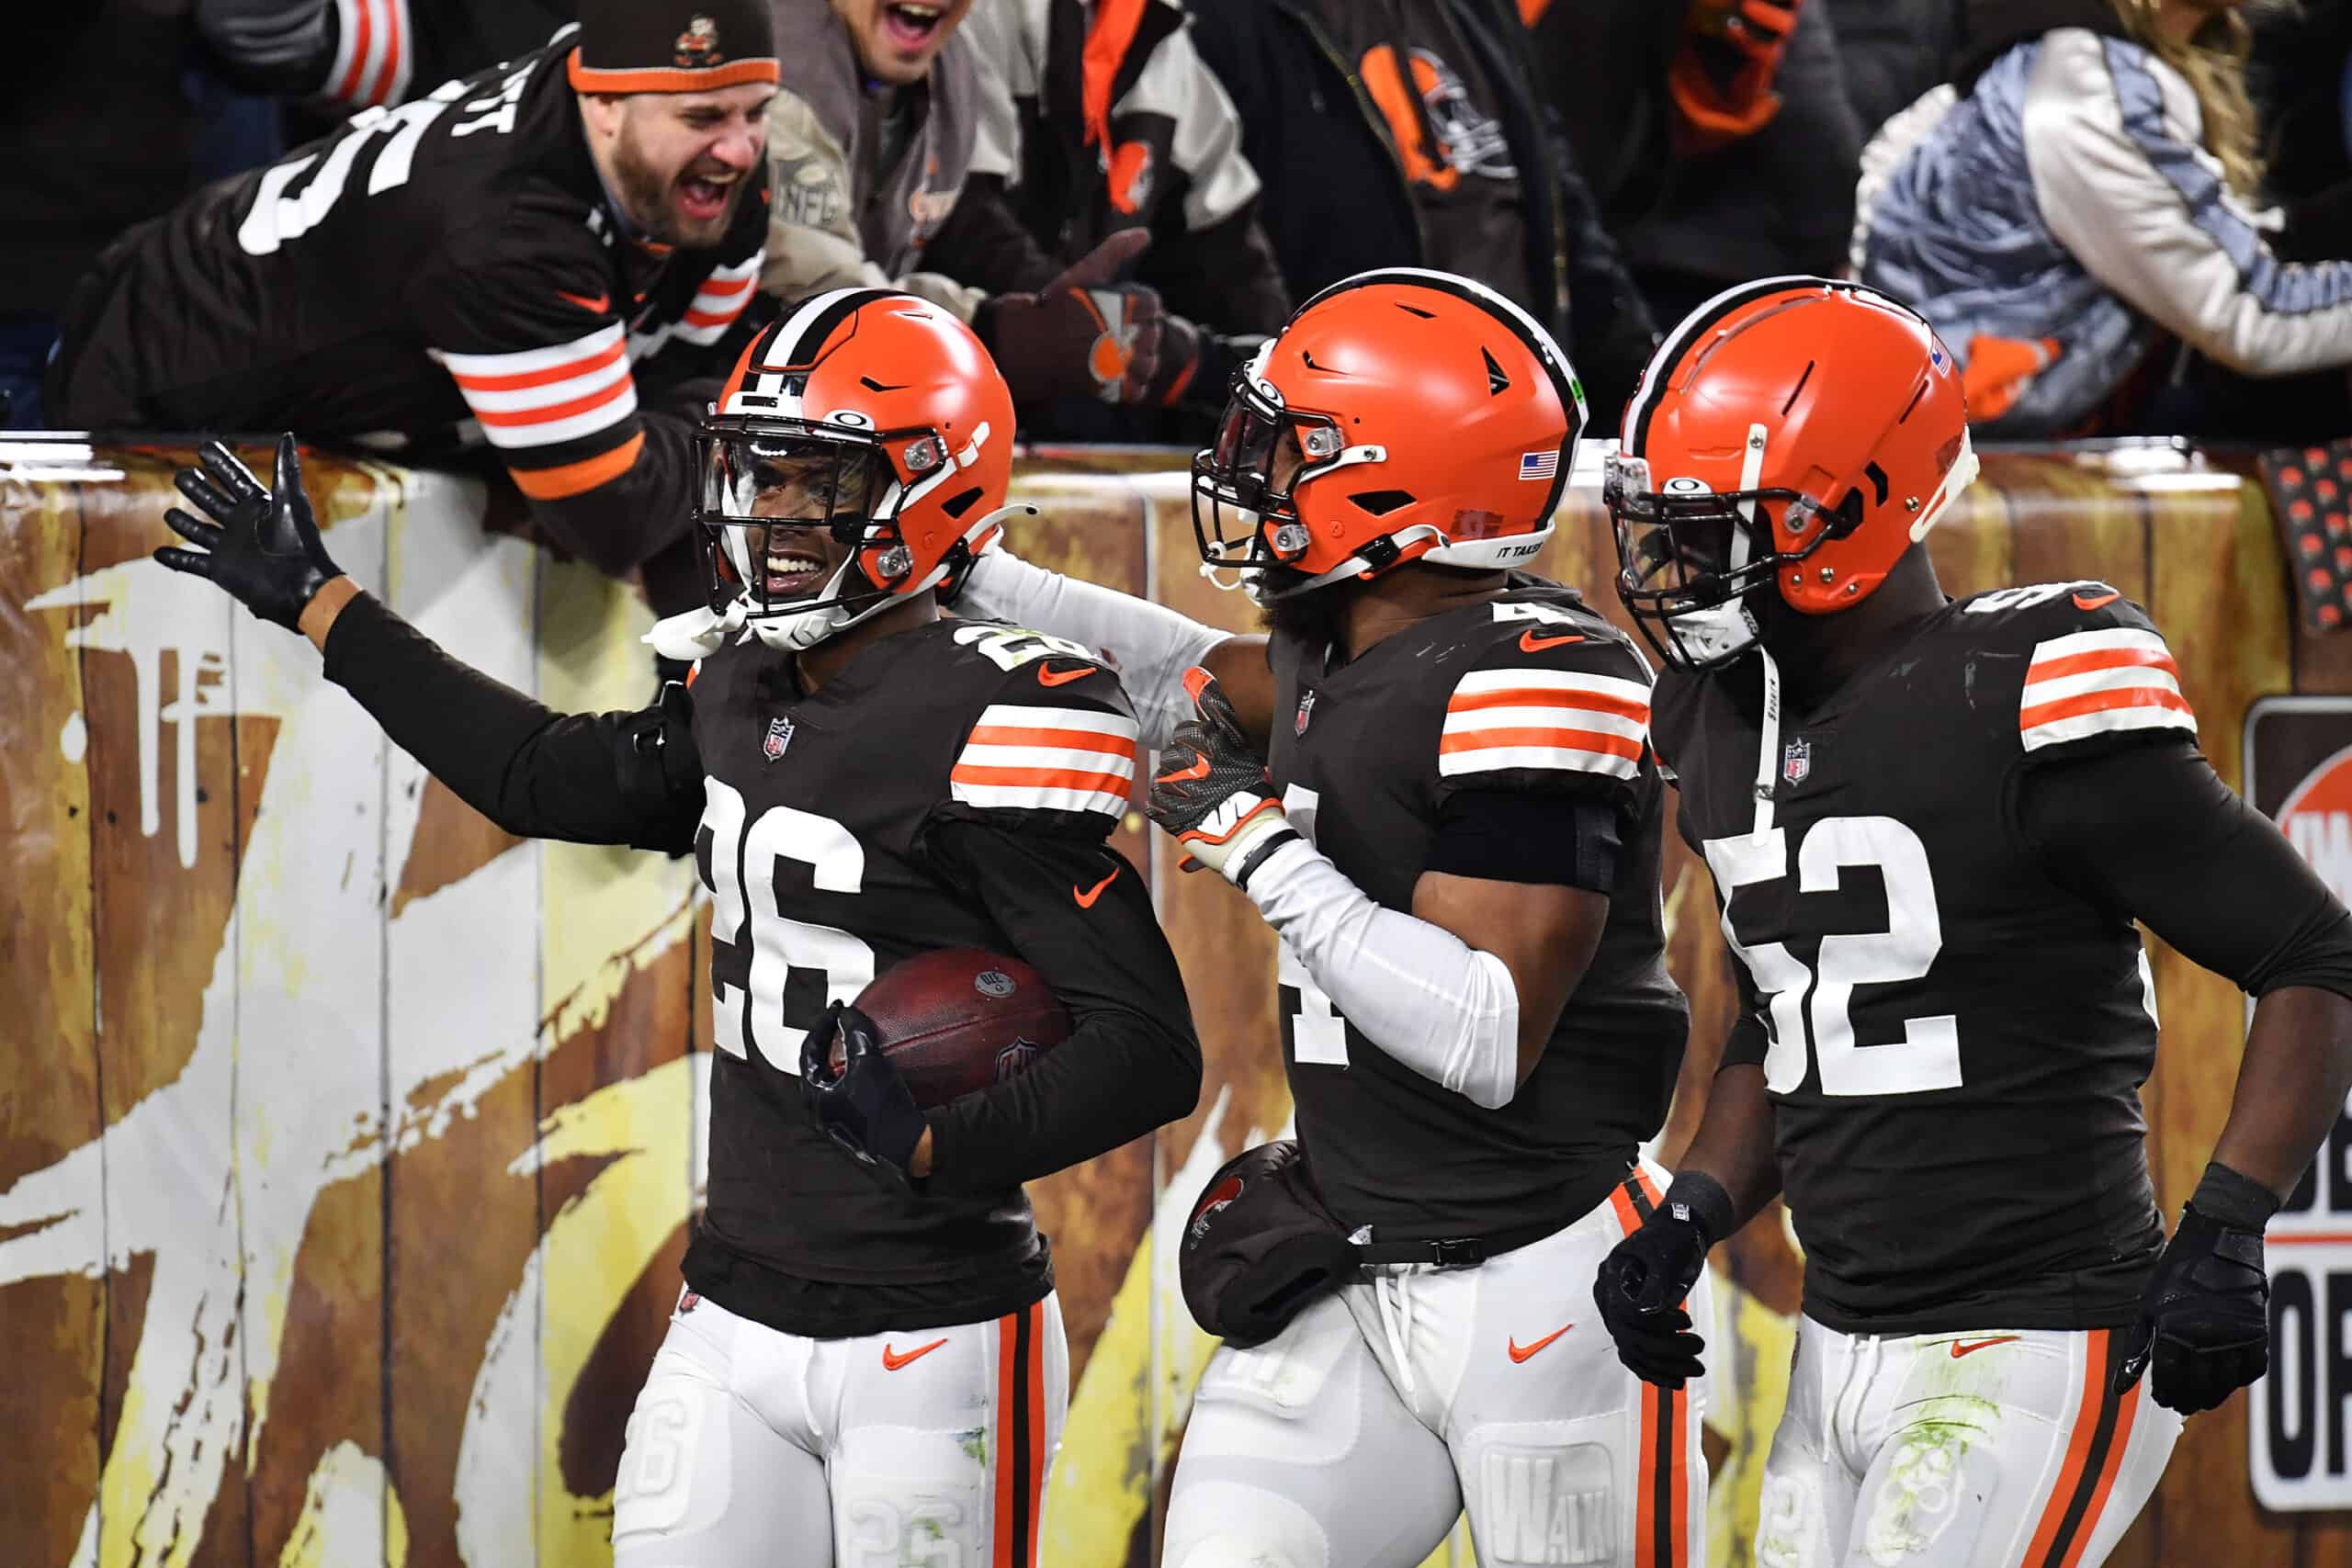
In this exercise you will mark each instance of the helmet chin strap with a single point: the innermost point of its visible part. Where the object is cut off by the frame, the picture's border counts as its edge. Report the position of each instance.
(794, 630)
(1716, 632)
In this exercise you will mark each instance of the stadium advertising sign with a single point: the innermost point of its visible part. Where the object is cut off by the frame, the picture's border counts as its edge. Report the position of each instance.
(2299, 770)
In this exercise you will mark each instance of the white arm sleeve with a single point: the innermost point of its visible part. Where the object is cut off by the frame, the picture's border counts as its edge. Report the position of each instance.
(1149, 645)
(1442, 1008)
(2120, 178)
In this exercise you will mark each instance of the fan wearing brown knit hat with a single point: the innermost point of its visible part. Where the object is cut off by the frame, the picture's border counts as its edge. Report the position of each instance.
(530, 269)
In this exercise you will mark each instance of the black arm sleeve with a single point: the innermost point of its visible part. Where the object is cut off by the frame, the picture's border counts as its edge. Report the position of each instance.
(612, 778)
(1513, 836)
(1131, 1064)
(2154, 832)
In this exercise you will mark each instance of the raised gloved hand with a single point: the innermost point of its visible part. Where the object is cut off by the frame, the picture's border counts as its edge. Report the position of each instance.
(1645, 1279)
(263, 548)
(863, 1105)
(1084, 334)
(1212, 791)
(1722, 79)
(2205, 1322)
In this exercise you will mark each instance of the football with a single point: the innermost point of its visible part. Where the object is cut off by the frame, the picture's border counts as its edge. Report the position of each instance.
(960, 1019)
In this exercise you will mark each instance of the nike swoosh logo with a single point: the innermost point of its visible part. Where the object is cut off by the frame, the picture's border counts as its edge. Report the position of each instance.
(1049, 676)
(892, 1362)
(1520, 1352)
(595, 304)
(1086, 899)
(1199, 770)
(1530, 643)
(1969, 1347)
(2095, 601)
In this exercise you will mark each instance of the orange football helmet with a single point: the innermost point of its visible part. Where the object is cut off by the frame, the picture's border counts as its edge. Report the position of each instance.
(875, 415)
(1800, 433)
(1400, 416)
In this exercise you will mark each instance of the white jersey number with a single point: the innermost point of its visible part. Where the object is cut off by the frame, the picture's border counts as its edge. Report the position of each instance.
(278, 216)
(743, 907)
(1927, 1056)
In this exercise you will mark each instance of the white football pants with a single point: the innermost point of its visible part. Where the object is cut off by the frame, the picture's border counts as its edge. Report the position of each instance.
(1947, 1450)
(752, 1447)
(1356, 1437)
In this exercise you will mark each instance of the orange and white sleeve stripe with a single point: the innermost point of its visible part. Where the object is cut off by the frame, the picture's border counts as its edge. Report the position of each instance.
(373, 53)
(541, 397)
(2094, 682)
(1047, 759)
(1563, 719)
(718, 301)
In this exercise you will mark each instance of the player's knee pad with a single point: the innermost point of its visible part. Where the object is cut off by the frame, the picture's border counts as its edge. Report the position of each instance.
(1224, 1524)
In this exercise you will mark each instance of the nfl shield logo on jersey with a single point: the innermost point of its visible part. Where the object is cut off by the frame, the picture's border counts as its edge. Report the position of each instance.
(779, 737)
(1305, 707)
(1796, 761)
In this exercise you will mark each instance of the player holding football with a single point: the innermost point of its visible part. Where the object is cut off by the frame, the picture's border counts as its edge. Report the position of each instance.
(1432, 780)
(1931, 825)
(870, 1357)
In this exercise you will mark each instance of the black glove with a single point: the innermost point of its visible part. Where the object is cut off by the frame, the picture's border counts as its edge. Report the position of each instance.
(1212, 791)
(2206, 1318)
(261, 549)
(864, 1105)
(1646, 1277)
(1084, 334)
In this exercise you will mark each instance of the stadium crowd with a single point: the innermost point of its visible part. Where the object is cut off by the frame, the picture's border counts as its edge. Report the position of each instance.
(2123, 215)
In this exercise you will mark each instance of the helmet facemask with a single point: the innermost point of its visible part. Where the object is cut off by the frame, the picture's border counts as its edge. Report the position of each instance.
(1244, 514)
(1689, 558)
(800, 524)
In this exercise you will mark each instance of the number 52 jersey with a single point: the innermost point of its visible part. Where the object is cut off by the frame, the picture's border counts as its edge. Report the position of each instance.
(1953, 1032)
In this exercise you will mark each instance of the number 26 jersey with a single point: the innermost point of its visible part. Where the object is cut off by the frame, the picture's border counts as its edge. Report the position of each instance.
(817, 844)
(1952, 1035)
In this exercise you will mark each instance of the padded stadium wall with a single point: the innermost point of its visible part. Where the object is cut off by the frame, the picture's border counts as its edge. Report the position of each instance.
(348, 1143)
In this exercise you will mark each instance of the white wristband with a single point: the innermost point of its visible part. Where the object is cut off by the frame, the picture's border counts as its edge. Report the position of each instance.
(1446, 1010)
(1149, 645)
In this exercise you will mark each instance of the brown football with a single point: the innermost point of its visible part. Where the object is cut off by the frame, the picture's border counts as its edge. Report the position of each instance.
(960, 1019)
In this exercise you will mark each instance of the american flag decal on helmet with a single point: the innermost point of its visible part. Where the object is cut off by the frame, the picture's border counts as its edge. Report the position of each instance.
(1543, 464)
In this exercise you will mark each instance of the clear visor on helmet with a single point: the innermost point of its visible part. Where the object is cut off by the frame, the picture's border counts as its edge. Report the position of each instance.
(786, 507)
(1687, 554)
(1242, 511)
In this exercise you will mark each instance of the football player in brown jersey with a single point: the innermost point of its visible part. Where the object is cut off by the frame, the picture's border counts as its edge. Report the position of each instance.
(869, 1359)
(1433, 780)
(1932, 823)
